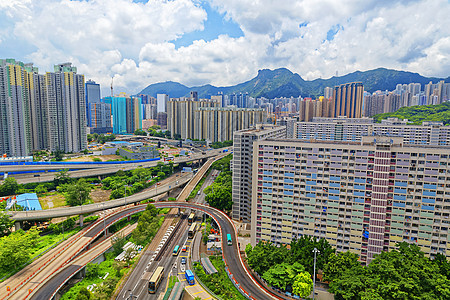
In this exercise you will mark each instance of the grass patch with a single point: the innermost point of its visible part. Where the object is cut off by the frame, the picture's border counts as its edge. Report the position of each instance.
(198, 186)
(43, 243)
(109, 283)
(172, 281)
(56, 198)
(218, 283)
(51, 240)
(164, 211)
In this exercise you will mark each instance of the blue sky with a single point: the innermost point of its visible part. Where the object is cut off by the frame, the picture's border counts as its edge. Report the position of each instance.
(215, 25)
(225, 42)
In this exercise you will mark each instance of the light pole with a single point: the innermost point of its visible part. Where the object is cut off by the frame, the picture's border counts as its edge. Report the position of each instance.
(314, 278)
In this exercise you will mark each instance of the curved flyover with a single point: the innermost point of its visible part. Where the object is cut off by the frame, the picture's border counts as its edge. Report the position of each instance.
(30, 279)
(90, 208)
(37, 166)
(231, 256)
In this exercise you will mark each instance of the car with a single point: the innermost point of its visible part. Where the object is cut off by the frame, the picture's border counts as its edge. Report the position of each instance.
(184, 249)
(183, 260)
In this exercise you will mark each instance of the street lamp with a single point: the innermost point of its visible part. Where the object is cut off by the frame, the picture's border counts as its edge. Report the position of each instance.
(314, 278)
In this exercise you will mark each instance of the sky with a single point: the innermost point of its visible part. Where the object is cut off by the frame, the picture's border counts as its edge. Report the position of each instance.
(225, 42)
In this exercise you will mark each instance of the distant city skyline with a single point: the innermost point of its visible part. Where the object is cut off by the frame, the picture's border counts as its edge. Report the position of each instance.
(225, 42)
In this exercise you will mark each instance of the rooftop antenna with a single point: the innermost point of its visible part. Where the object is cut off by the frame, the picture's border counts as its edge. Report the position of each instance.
(112, 93)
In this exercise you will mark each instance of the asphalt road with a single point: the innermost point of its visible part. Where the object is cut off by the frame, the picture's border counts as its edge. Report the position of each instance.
(137, 284)
(230, 253)
(40, 272)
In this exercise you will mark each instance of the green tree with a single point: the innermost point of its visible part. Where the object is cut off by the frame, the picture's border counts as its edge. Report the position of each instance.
(9, 187)
(118, 266)
(40, 189)
(15, 249)
(302, 285)
(265, 255)
(78, 192)
(283, 275)
(84, 294)
(59, 155)
(62, 177)
(92, 270)
(140, 132)
(117, 242)
(302, 252)
(5, 224)
(220, 198)
(407, 274)
(339, 263)
(443, 265)
(161, 175)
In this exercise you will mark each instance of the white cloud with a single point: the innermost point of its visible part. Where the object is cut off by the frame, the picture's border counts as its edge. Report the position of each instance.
(131, 41)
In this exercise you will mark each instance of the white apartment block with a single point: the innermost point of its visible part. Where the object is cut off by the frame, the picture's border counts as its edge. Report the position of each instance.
(242, 165)
(218, 124)
(344, 129)
(361, 196)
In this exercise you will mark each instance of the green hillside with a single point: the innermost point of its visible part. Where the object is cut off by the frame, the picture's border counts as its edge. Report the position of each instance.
(418, 114)
(283, 83)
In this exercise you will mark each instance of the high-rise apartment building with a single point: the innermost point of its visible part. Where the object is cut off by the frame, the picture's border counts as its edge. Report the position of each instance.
(353, 129)
(181, 115)
(242, 166)
(310, 108)
(333, 129)
(41, 111)
(328, 92)
(66, 109)
(16, 88)
(363, 197)
(218, 124)
(92, 96)
(126, 113)
(98, 113)
(347, 100)
(289, 123)
(161, 102)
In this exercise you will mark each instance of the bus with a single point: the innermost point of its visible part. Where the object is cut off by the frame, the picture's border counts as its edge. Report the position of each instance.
(229, 242)
(155, 280)
(191, 218)
(176, 250)
(191, 231)
(189, 277)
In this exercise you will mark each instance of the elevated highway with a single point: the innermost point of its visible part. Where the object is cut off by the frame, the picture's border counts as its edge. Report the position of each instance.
(233, 260)
(90, 208)
(120, 165)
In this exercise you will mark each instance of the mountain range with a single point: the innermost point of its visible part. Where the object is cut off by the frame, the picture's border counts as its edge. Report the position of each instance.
(283, 83)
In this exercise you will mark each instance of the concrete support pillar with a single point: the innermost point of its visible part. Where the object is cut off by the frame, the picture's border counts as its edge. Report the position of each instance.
(5, 175)
(81, 220)
(81, 274)
(18, 225)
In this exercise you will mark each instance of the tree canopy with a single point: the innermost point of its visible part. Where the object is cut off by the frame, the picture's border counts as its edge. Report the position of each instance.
(420, 113)
(9, 187)
(405, 273)
(15, 249)
(77, 193)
